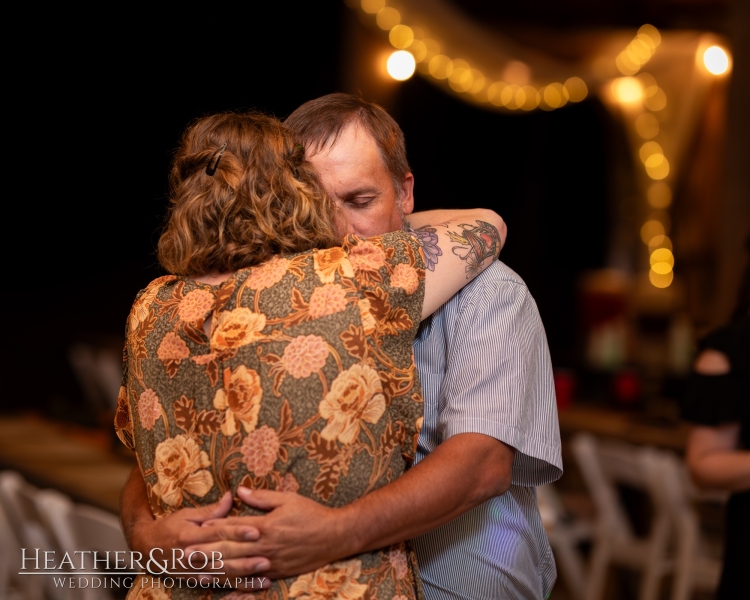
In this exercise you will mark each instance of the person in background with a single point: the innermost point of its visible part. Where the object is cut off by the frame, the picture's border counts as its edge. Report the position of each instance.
(718, 451)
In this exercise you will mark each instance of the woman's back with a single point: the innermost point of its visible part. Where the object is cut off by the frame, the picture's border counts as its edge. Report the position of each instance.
(307, 384)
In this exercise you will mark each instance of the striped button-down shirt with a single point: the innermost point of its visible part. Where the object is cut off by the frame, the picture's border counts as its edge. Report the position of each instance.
(485, 368)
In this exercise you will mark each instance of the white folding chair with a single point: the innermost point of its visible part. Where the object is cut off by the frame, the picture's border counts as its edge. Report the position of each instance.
(565, 535)
(29, 527)
(604, 465)
(697, 566)
(79, 527)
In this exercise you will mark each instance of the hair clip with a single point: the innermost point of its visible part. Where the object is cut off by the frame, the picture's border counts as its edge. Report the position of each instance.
(213, 165)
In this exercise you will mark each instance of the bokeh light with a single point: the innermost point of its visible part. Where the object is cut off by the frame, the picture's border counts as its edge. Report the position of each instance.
(509, 96)
(576, 89)
(495, 91)
(663, 217)
(657, 166)
(479, 82)
(654, 98)
(531, 98)
(388, 18)
(461, 78)
(517, 73)
(649, 149)
(660, 280)
(650, 230)
(659, 195)
(441, 66)
(372, 6)
(716, 60)
(418, 49)
(659, 241)
(627, 89)
(662, 256)
(401, 36)
(652, 33)
(647, 126)
(401, 65)
(554, 95)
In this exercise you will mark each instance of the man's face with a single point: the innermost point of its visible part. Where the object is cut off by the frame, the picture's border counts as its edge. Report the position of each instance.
(354, 175)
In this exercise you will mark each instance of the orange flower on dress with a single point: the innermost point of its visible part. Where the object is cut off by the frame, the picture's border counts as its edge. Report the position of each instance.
(326, 300)
(399, 563)
(260, 449)
(328, 262)
(204, 359)
(172, 348)
(149, 409)
(235, 328)
(367, 256)
(180, 467)
(240, 398)
(305, 355)
(289, 483)
(369, 324)
(406, 277)
(268, 274)
(150, 588)
(337, 581)
(195, 305)
(356, 395)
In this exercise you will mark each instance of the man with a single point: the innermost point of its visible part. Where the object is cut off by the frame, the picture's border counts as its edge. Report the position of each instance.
(490, 431)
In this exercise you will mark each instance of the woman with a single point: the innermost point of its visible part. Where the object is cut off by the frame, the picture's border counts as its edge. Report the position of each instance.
(275, 356)
(718, 449)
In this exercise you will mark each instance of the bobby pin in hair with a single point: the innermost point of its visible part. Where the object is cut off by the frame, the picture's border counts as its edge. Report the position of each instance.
(214, 164)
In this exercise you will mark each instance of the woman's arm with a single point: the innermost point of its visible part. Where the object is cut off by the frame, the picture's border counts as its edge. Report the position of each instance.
(458, 245)
(713, 459)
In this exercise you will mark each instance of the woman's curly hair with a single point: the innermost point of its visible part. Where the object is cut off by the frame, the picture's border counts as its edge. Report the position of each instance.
(263, 199)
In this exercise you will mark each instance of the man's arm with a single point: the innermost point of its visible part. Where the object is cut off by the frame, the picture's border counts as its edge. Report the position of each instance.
(299, 535)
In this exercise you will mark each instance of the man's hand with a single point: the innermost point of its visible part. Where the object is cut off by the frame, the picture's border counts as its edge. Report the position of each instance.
(298, 535)
(179, 529)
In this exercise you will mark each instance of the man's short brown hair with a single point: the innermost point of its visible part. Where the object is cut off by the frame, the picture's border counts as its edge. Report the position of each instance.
(318, 123)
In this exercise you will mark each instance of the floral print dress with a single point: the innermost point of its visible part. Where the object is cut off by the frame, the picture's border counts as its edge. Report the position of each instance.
(306, 384)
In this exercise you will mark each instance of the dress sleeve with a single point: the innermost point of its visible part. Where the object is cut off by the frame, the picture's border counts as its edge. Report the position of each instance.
(390, 273)
(498, 378)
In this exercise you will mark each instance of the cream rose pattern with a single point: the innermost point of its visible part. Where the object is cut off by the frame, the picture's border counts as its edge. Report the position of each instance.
(337, 581)
(180, 467)
(399, 562)
(331, 261)
(240, 399)
(236, 328)
(356, 395)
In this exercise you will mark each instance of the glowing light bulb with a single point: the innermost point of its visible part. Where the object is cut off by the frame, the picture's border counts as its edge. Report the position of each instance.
(401, 65)
(657, 166)
(650, 230)
(716, 60)
(662, 256)
(576, 88)
(372, 6)
(649, 149)
(647, 126)
(441, 66)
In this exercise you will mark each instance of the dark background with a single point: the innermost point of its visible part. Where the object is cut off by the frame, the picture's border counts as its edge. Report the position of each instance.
(99, 103)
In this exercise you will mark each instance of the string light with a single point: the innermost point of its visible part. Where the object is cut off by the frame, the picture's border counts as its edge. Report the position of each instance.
(716, 60)
(401, 65)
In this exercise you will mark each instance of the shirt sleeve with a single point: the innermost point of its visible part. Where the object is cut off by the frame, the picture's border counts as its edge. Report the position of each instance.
(498, 379)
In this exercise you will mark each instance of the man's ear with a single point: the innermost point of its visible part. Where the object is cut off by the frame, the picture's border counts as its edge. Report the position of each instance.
(407, 194)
